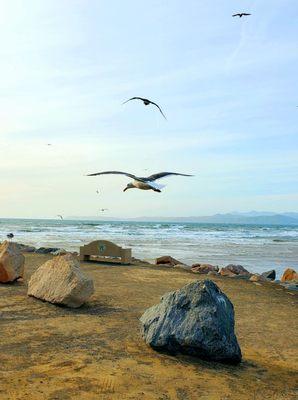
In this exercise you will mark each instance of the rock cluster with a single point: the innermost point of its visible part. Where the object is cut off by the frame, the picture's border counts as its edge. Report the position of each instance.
(61, 281)
(233, 270)
(203, 268)
(11, 262)
(197, 320)
(289, 279)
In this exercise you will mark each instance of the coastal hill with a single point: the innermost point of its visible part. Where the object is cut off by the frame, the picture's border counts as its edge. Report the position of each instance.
(252, 218)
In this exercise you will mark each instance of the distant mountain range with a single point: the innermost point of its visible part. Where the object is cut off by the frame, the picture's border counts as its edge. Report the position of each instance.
(252, 217)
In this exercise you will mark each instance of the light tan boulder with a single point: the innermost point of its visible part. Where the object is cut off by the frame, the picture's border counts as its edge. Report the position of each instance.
(61, 281)
(11, 262)
(289, 275)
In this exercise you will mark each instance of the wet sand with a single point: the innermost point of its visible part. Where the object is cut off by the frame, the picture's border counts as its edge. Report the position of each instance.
(96, 352)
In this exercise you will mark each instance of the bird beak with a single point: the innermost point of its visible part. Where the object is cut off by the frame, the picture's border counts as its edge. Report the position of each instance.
(125, 189)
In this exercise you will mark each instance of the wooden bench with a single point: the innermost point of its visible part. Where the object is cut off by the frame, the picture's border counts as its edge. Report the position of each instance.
(105, 251)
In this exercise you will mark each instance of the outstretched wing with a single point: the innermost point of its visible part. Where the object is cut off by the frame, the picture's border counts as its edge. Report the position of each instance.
(134, 98)
(152, 102)
(246, 14)
(113, 172)
(160, 175)
(236, 15)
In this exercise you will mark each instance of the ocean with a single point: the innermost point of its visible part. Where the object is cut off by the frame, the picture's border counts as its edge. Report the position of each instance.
(258, 248)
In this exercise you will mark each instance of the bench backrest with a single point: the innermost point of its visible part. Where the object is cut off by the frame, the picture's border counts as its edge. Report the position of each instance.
(102, 248)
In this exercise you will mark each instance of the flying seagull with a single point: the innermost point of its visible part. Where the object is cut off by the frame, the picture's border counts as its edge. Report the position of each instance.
(146, 102)
(60, 216)
(97, 191)
(240, 15)
(103, 209)
(10, 236)
(146, 183)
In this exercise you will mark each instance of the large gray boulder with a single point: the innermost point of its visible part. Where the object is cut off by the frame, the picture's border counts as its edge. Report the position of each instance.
(61, 281)
(197, 320)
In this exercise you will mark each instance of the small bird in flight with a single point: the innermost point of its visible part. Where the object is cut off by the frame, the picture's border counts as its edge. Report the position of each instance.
(10, 236)
(240, 15)
(60, 216)
(103, 209)
(97, 191)
(146, 102)
(146, 183)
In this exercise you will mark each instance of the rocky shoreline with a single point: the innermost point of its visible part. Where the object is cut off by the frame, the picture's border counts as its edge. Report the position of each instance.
(289, 279)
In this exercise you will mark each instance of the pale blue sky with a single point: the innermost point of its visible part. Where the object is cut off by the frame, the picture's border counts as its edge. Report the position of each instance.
(228, 87)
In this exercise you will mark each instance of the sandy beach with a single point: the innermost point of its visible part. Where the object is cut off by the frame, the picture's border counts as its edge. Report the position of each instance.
(96, 351)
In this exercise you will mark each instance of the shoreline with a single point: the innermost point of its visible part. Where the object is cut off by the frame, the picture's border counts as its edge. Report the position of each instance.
(138, 253)
(257, 249)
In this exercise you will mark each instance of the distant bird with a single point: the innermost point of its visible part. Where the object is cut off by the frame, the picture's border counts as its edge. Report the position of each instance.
(97, 191)
(146, 102)
(146, 183)
(60, 216)
(49, 144)
(103, 209)
(10, 236)
(240, 15)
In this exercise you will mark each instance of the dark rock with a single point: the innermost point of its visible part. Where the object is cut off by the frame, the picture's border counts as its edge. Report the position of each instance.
(197, 319)
(234, 269)
(59, 252)
(25, 248)
(269, 274)
(46, 250)
(167, 260)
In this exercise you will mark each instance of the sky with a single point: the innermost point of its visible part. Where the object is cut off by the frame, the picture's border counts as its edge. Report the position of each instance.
(228, 87)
